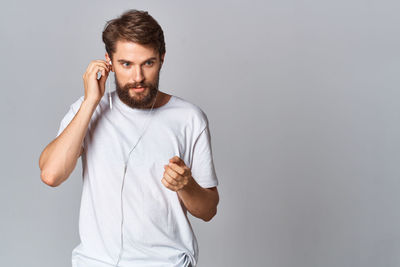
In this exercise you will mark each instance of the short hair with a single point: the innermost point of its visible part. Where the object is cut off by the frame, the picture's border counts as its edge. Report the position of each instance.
(135, 26)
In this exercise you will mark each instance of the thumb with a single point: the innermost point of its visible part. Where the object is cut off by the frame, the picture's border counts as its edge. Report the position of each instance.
(177, 160)
(103, 80)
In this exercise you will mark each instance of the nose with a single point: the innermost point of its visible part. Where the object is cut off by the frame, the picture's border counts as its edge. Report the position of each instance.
(139, 77)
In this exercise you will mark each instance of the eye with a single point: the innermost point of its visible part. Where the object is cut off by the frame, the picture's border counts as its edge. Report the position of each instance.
(126, 63)
(149, 63)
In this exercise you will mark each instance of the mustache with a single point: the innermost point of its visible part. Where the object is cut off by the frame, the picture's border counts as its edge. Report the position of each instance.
(135, 85)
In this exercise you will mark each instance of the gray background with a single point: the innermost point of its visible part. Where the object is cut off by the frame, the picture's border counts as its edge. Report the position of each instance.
(302, 98)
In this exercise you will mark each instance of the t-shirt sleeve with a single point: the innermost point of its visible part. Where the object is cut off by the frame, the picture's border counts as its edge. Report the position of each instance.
(73, 109)
(203, 170)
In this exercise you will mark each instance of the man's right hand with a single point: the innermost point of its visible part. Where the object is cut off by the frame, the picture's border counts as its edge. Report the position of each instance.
(94, 88)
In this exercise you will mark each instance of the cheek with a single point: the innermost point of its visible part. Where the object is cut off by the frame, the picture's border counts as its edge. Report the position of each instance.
(151, 74)
(122, 76)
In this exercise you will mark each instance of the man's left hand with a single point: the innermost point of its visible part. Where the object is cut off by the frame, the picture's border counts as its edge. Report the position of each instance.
(176, 174)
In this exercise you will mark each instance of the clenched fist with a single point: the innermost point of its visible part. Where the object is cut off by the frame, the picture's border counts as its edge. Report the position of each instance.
(176, 175)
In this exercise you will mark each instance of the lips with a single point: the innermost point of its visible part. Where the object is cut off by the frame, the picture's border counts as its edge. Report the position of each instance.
(139, 89)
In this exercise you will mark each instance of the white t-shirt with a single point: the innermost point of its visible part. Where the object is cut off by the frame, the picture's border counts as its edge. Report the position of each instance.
(156, 229)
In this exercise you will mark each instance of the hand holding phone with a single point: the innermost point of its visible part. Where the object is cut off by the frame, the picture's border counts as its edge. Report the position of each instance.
(95, 87)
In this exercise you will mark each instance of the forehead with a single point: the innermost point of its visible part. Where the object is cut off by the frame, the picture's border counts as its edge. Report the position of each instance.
(133, 51)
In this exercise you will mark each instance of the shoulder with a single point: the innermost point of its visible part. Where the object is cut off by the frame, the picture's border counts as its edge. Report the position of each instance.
(193, 112)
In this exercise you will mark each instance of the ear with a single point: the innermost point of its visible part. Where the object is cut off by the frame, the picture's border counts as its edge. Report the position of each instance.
(162, 58)
(108, 59)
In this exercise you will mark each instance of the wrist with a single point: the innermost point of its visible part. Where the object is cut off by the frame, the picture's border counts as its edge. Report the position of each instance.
(190, 186)
(90, 103)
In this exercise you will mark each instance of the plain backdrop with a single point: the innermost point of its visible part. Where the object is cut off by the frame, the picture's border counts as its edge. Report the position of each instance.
(302, 98)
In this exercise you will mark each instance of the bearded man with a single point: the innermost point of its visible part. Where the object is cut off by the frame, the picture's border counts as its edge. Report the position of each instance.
(146, 156)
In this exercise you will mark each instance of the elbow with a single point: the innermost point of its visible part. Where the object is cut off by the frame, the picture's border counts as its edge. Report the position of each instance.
(211, 215)
(212, 211)
(45, 176)
(49, 179)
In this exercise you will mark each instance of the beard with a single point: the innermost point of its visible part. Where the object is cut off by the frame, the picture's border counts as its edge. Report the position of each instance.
(140, 100)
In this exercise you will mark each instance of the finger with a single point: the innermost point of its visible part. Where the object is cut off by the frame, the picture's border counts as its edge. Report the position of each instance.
(103, 71)
(177, 168)
(177, 160)
(170, 179)
(94, 70)
(95, 64)
(168, 185)
(100, 69)
(101, 61)
(103, 78)
(171, 172)
(104, 62)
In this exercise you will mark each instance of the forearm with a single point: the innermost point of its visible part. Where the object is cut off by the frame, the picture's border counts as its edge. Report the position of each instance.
(200, 202)
(59, 158)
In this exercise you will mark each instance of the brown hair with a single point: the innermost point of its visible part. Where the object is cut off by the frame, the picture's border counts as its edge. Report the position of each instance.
(134, 26)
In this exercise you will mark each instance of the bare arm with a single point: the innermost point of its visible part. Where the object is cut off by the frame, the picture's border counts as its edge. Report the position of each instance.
(58, 159)
(200, 202)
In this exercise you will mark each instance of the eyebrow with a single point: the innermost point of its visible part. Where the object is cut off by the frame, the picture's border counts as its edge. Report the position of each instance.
(127, 61)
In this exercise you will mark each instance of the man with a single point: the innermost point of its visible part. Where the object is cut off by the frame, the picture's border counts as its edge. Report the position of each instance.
(146, 157)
